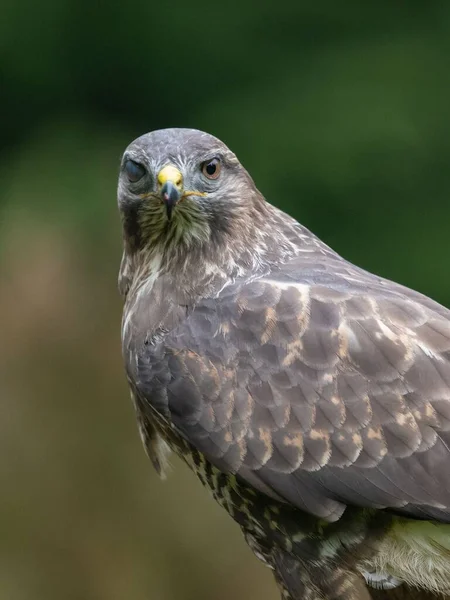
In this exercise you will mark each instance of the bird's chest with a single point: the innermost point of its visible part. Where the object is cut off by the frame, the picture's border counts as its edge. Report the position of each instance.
(155, 305)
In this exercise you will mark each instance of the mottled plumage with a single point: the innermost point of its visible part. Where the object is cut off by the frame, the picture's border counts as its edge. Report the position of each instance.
(310, 396)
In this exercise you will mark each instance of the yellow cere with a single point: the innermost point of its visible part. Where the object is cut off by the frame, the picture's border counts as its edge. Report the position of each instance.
(172, 174)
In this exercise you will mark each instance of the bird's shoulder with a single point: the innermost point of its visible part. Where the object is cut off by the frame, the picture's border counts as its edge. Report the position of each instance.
(320, 292)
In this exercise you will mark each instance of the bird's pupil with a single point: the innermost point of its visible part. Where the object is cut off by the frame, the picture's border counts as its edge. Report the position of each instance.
(211, 168)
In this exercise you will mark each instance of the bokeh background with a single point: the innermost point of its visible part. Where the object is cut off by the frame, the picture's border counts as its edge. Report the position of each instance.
(341, 113)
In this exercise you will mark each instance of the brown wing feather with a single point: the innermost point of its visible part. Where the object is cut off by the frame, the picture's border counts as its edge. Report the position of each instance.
(327, 385)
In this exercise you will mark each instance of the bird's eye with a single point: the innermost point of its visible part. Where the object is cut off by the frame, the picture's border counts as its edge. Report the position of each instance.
(134, 171)
(211, 168)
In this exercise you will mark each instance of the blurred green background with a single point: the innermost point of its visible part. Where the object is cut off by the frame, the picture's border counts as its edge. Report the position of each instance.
(341, 113)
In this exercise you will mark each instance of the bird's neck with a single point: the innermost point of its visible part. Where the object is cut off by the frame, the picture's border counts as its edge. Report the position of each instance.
(253, 246)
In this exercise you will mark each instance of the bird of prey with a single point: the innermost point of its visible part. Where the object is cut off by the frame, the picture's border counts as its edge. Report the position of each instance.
(311, 397)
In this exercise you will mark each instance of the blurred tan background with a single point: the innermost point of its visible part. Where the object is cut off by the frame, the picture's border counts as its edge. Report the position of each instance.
(340, 112)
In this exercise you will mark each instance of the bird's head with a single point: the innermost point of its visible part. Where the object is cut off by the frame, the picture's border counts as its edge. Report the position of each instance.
(182, 187)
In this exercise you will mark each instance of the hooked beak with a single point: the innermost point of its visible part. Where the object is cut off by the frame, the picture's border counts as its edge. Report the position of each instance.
(170, 196)
(170, 181)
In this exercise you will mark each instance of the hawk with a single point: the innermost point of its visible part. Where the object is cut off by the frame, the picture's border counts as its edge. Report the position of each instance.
(311, 397)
